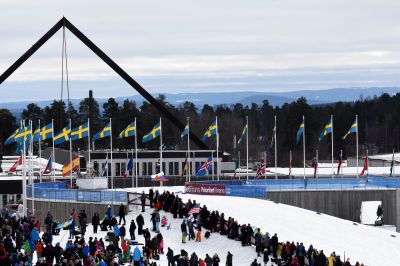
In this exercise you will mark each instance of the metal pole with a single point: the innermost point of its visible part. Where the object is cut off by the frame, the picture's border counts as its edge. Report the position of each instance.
(276, 152)
(111, 154)
(188, 140)
(88, 166)
(247, 148)
(54, 153)
(24, 202)
(70, 154)
(357, 143)
(316, 166)
(304, 147)
(217, 164)
(333, 172)
(161, 182)
(40, 153)
(290, 164)
(136, 158)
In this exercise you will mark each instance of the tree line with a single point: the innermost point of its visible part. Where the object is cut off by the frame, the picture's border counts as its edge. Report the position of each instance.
(378, 125)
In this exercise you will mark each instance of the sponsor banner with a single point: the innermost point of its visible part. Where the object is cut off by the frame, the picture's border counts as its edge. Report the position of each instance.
(205, 189)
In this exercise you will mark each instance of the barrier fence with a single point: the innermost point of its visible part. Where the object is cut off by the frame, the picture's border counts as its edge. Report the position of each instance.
(58, 191)
(259, 188)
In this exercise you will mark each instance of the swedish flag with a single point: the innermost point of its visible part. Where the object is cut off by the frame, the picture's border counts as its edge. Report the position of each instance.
(105, 132)
(353, 129)
(129, 131)
(80, 132)
(185, 131)
(11, 139)
(43, 133)
(154, 133)
(327, 130)
(63, 135)
(244, 132)
(300, 131)
(24, 134)
(212, 130)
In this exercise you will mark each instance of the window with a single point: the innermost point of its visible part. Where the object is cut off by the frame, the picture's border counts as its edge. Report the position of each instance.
(144, 168)
(149, 168)
(109, 169)
(176, 168)
(117, 169)
(170, 168)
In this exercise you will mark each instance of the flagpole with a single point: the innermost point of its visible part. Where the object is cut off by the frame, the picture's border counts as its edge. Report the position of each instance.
(276, 153)
(333, 172)
(30, 151)
(290, 164)
(188, 143)
(394, 166)
(54, 154)
(217, 164)
(341, 158)
(133, 173)
(247, 148)
(316, 165)
(111, 154)
(304, 147)
(161, 182)
(70, 154)
(24, 202)
(31, 171)
(88, 166)
(136, 162)
(357, 143)
(40, 153)
(265, 165)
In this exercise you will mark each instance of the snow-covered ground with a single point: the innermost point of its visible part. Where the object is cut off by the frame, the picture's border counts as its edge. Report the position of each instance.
(371, 245)
(172, 238)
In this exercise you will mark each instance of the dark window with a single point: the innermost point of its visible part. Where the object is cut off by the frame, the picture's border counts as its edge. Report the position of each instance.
(170, 168)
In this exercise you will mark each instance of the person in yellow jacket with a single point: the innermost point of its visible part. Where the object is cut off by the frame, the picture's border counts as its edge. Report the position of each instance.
(332, 259)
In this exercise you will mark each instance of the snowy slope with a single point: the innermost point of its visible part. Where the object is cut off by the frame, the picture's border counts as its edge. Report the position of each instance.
(370, 245)
(172, 238)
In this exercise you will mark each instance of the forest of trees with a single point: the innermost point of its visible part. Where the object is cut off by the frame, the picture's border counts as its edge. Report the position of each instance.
(379, 125)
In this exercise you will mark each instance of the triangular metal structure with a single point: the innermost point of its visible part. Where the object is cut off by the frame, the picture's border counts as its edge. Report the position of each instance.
(67, 24)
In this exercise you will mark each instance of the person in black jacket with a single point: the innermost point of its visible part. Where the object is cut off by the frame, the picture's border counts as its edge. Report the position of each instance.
(170, 257)
(140, 223)
(122, 214)
(143, 200)
(132, 229)
(216, 260)
(151, 197)
(229, 259)
(321, 259)
(95, 222)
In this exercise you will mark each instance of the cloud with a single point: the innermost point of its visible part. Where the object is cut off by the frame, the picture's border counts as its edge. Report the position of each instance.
(208, 45)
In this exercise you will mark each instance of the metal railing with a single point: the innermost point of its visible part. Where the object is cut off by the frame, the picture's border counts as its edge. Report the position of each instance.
(58, 191)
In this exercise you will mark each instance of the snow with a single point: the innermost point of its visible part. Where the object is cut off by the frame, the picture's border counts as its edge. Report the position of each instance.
(295, 224)
(172, 238)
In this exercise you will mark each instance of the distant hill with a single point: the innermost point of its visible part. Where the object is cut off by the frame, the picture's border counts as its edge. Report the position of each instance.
(245, 98)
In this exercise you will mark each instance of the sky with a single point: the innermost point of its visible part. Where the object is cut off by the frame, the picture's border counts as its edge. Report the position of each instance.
(202, 46)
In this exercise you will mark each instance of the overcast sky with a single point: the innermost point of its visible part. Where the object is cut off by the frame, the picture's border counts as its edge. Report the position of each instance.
(198, 46)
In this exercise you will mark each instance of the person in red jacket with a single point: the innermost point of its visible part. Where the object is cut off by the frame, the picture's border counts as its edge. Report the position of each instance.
(3, 255)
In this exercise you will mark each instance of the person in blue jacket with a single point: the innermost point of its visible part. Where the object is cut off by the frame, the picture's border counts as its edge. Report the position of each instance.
(109, 212)
(137, 256)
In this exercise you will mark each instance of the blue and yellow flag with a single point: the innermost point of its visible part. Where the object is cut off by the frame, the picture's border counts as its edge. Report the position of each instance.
(105, 132)
(43, 133)
(24, 134)
(244, 132)
(300, 131)
(185, 131)
(129, 131)
(212, 130)
(63, 135)
(11, 139)
(154, 133)
(327, 130)
(80, 132)
(353, 129)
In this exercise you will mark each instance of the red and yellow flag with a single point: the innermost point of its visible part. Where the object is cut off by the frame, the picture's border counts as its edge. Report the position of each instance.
(66, 169)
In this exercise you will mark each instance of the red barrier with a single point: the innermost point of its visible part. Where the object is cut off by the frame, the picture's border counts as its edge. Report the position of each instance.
(205, 189)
